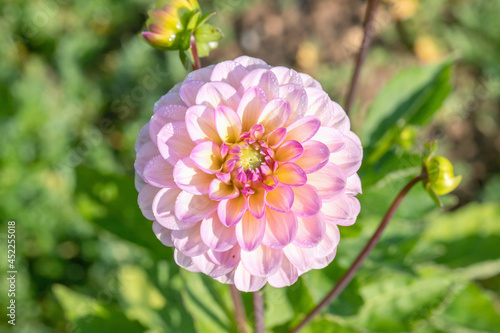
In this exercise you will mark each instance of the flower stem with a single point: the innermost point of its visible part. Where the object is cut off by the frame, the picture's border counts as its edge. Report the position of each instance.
(239, 310)
(365, 45)
(258, 311)
(347, 277)
(194, 51)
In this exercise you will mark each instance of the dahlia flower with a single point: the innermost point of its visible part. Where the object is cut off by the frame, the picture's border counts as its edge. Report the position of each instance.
(247, 170)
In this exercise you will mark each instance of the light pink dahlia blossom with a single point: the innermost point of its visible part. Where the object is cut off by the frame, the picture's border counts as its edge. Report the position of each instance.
(247, 170)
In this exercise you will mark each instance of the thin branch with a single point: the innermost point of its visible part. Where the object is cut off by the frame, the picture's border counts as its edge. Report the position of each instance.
(258, 311)
(239, 310)
(194, 51)
(365, 45)
(347, 277)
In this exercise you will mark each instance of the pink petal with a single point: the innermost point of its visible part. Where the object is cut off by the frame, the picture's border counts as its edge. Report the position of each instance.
(228, 124)
(159, 173)
(329, 243)
(164, 209)
(322, 262)
(286, 75)
(172, 97)
(275, 114)
(164, 235)
(297, 97)
(328, 181)
(144, 155)
(309, 82)
(340, 120)
(250, 231)
(185, 262)
(174, 142)
(220, 191)
(281, 229)
(213, 94)
(256, 203)
(302, 258)
(303, 129)
(189, 90)
(290, 151)
(207, 156)
(231, 210)
(226, 278)
(291, 174)
(142, 137)
(163, 115)
(306, 201)
(138, 182)
(262, 78)
(227, 259)
(190, 178)
(280, 199)
(207, 266)
(217, 236)
(286, 275)
(349, 158)
(311, 231)
(192, 208)
(251, 63)
(189, 241)
(244, 281)
(250, 108)
(315, 156)
(320, 105)
(353, 185)
(276, 137)
(200, 123)
(229, 72)
(145, 201)
(331, 137)
(262, 261)
(202, 74)
(342, 211)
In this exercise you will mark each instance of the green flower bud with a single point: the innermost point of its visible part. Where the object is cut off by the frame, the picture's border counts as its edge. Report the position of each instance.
(441, 178)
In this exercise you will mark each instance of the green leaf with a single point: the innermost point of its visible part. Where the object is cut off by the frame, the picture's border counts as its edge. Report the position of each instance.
(473, 308)
(398, 302)
(465, 237)
(209, 303)
(328, 324)
(110, 202)
(412, 96)
(89, 315)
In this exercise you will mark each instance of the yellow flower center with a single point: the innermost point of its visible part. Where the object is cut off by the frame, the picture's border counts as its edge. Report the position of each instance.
(250, 158)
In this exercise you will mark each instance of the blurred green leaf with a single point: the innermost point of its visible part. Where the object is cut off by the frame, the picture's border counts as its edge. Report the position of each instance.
(114, 197)
(397, 302)
(412, 97)
(473, 308)
(209, 303)
(462, 238)
(89, 315)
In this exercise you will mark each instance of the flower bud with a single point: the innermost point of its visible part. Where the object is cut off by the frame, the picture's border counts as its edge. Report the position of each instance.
(166, 25)
(441, 178)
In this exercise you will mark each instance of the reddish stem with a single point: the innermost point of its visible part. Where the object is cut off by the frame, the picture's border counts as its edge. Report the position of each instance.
(194, 51)
(258, 311)
(365, 45)
(348, 276)
(239, 310)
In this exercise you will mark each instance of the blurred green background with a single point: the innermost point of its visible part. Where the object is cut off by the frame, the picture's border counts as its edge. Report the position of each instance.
(77, 83)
